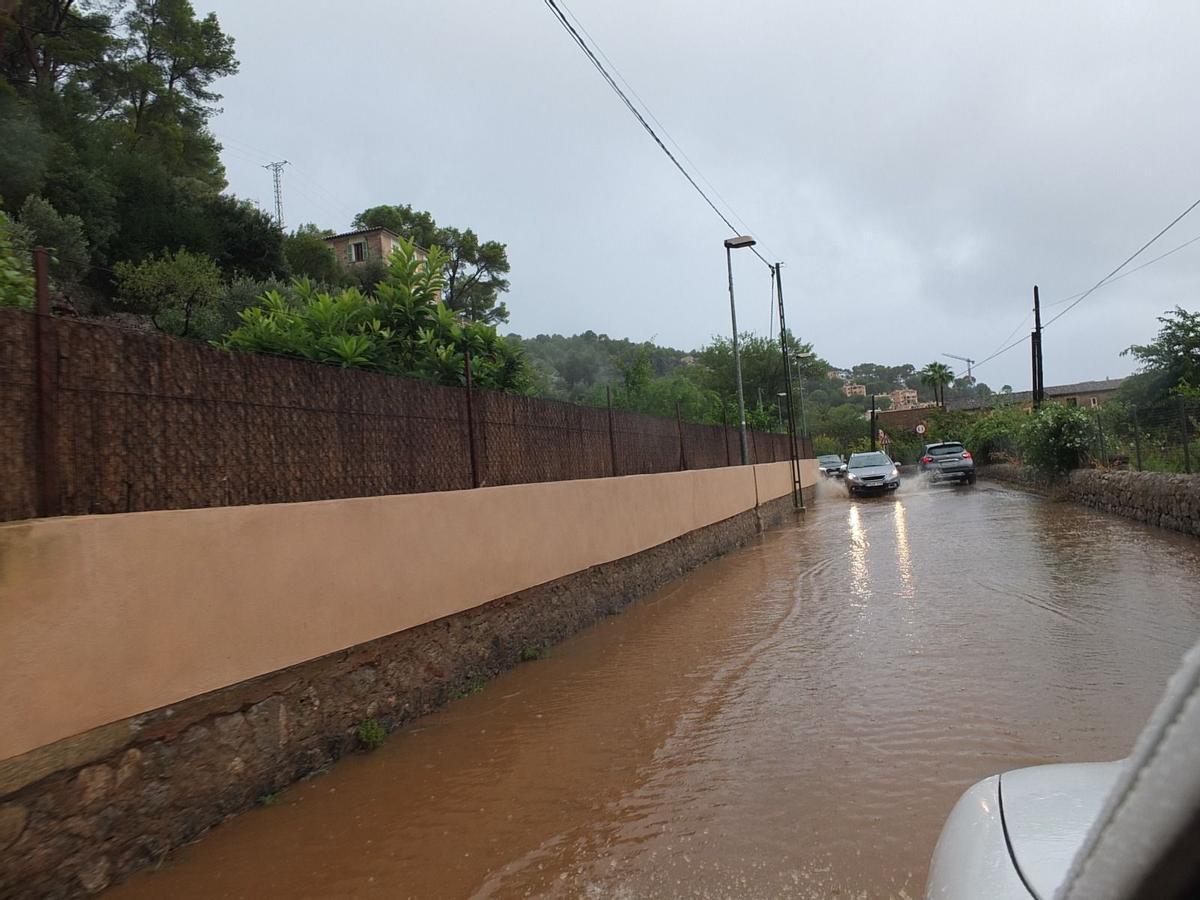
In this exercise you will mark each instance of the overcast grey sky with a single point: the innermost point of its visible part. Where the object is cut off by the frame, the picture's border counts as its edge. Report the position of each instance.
(916, 166)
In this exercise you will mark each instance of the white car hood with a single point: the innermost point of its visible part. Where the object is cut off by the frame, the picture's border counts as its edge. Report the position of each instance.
(1047, 813)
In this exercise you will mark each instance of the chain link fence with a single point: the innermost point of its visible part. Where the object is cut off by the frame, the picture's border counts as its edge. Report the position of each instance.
(102, 419)
(1160, 438)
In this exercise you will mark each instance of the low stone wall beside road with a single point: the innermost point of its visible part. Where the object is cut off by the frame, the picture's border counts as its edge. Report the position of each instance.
(1157, 498)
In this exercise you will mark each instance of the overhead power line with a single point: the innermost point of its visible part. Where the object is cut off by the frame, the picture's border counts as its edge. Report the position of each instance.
(661, 127)
(1110, 275)
(1150, 262)
(629, 104)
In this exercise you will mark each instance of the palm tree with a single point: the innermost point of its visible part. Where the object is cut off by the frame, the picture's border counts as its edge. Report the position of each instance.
(937, 375)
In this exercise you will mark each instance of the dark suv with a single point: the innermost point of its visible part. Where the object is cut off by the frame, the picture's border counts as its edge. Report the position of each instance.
(947, 460)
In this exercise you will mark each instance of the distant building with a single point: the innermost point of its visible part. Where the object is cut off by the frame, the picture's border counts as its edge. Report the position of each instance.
(354, 248)
(836, 374)
(903, 398)
(1088, 394)
(854, 390)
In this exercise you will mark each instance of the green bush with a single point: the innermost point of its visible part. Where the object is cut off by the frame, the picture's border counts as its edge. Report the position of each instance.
(370, 733)
(1055, 439)
(16, 283)
(906, 446)
(404, 329)
(824, 445)
(178, 290)
(995, 436)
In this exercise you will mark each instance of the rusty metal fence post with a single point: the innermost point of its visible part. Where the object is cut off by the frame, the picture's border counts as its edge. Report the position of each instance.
(725, 433)
(49, 493)
(612, 436)
(1183, 427)
(682, 449)
(472, 451)
(1137, 439)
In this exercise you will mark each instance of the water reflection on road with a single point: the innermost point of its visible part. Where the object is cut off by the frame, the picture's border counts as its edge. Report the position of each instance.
(795, 718)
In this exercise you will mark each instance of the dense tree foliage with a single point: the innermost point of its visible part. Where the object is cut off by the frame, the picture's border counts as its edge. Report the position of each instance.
(1170, 364)
(177, 290)
(937, 376)
(16, 282)
(308, 256)
(104, 108)
(40, 224)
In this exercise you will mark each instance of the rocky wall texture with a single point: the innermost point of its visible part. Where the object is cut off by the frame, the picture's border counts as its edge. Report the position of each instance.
(83, 813)
(1157, 498)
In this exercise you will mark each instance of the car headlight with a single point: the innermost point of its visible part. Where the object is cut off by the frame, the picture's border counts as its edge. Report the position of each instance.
(895, 473)
(852, 476)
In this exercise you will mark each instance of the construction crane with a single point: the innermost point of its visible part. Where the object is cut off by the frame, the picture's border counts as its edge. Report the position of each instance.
(967, 360)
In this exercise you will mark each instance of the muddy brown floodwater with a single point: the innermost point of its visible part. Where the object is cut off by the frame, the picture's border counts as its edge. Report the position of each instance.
(794, 719)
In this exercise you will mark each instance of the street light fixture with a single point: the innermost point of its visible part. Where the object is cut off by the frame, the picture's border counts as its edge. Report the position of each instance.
(731, 244)
(808, 354)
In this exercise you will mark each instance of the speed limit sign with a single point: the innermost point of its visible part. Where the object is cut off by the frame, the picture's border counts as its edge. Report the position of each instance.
(920, 429)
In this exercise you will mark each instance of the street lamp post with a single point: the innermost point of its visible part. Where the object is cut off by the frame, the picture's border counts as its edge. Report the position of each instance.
(731, 244)
(800, 380)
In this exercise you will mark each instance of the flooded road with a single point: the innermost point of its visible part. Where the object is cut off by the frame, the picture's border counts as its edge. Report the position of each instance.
(794, 719)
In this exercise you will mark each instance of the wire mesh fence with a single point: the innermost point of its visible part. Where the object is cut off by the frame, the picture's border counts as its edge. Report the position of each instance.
(101, 419)
(1164, 437)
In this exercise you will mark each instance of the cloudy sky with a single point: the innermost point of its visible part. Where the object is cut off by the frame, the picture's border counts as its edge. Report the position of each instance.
(917, 166)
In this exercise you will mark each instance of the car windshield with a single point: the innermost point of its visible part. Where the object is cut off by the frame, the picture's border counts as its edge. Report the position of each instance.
(829, 460)
(863, 460)
(945, 449)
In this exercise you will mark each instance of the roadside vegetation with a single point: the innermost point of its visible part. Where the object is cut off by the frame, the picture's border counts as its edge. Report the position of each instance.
(1149, 415)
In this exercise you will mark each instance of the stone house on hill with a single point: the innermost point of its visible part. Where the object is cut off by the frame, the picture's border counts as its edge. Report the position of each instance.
(352, 248)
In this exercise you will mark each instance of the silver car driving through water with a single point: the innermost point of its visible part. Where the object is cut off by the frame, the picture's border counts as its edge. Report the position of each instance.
(831, 465)
(872, 472)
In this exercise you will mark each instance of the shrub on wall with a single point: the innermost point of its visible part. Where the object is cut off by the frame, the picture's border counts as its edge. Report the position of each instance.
(995, 436)
(16, 283)
(404, 329)
(1055, 439)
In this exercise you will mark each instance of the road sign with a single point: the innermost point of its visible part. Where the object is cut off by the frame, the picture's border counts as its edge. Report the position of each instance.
(920, 429)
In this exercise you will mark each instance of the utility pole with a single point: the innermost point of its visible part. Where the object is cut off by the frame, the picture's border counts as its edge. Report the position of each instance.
(1035, 346)
(873, 448)
(730, 245)
(276, 174)
(797, 488)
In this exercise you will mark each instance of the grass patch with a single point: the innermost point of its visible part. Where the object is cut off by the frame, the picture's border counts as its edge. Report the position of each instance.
(529, 654)
(370, 733)
(474, 686)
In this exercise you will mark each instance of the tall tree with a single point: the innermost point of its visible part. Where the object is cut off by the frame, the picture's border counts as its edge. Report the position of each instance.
(474, 270)
(937, 375)
(1170, 364)
(62, 235)
(308, 255)
(175, 289)
(45, 44)
(108, 102)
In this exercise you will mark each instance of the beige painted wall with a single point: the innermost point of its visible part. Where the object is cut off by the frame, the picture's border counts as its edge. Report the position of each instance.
(106, 617)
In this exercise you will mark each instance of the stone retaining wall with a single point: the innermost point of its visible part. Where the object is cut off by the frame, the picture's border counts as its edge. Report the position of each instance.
(1157, 498)
(83, 813)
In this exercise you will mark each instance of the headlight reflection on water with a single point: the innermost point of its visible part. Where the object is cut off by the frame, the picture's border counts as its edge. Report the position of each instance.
(860, 577)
